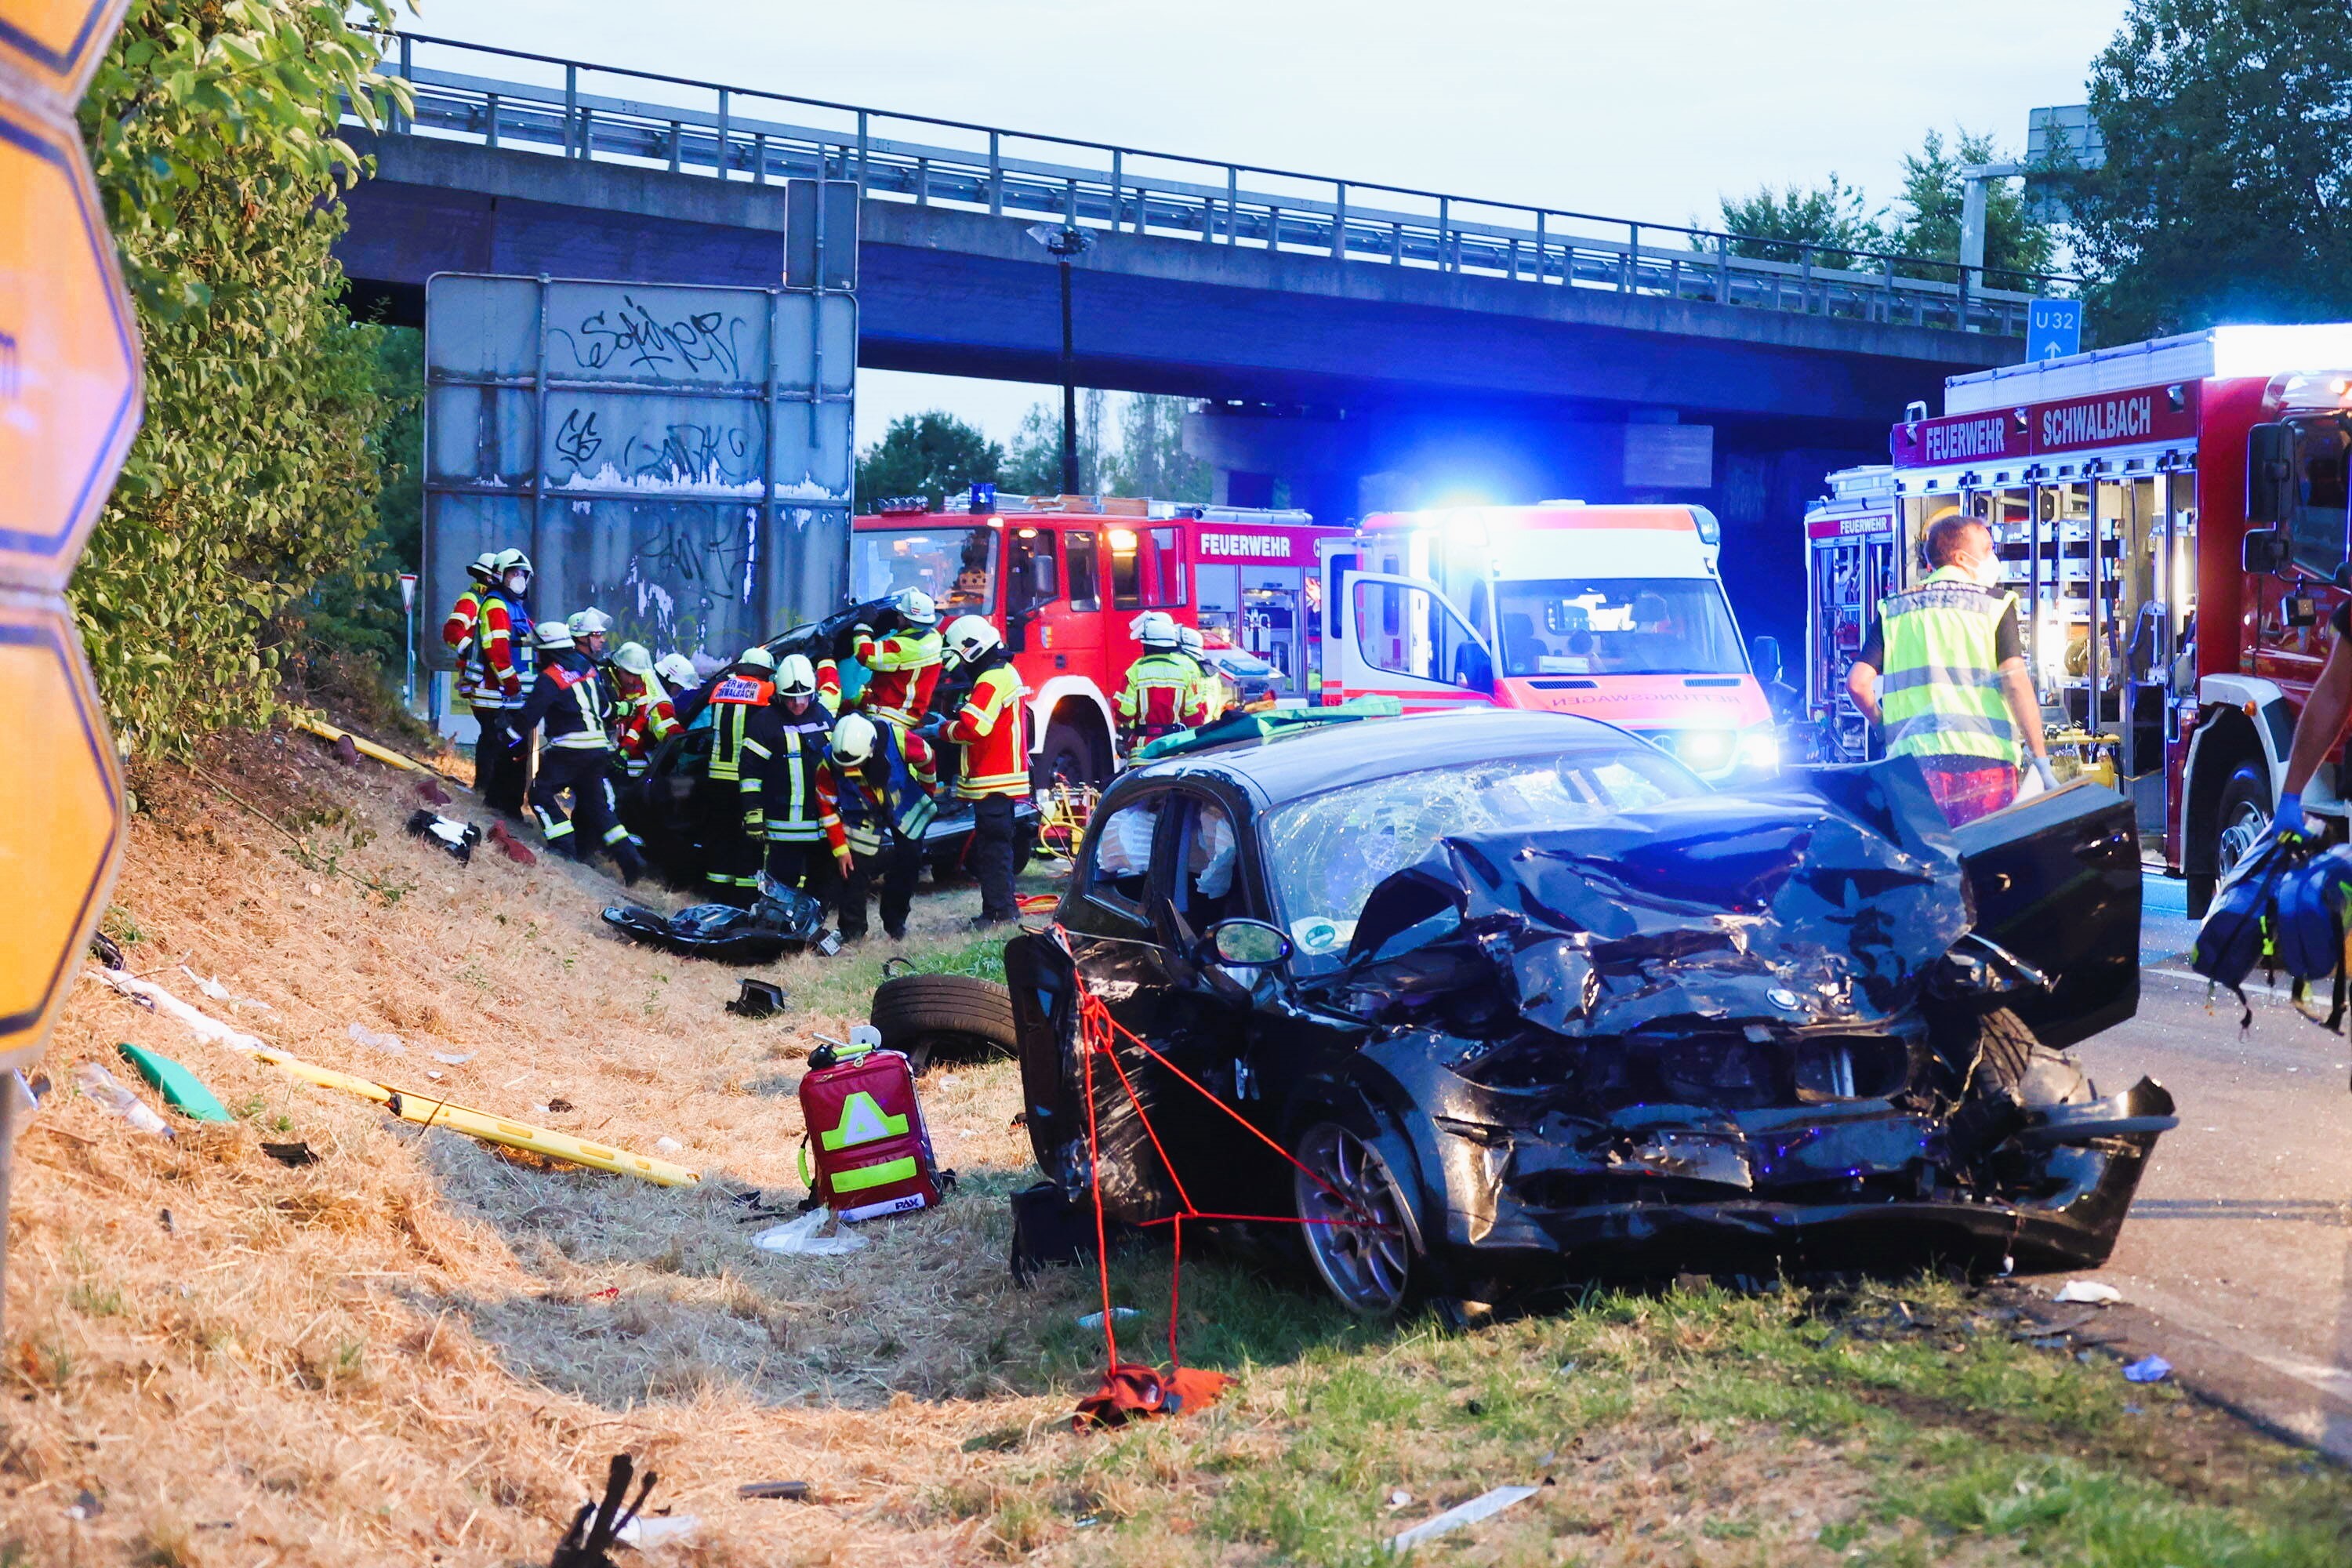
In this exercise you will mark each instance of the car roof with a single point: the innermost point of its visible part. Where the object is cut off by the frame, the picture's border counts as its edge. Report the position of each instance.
(1311, 759)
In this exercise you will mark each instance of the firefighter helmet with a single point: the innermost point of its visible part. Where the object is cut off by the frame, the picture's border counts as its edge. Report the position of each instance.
(1156, 628)
(796, 676)
(552, 634)
(591, 623)
(1190, 639)
(513, 561)
(969, 637)
(757, 657)
(633, 657)
(484, 568)
(854, 740)
(918, 607)
(678, 671)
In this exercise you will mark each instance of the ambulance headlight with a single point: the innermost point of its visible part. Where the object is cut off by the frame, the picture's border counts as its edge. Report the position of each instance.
(1759, 750)
(1705, 751)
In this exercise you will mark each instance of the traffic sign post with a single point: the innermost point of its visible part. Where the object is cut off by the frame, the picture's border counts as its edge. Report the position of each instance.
(2054, 328)
(69, 402)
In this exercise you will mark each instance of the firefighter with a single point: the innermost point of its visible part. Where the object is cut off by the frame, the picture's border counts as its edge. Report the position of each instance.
(732, 850)
(784, 762)
(688, 690)
(904, 666)
(877, 790)
(991, 729)
(1217, 693)
(642, 715)
(503, 676)
(1944, 676)
(1163, 691)
(457, 630)
(567, 716)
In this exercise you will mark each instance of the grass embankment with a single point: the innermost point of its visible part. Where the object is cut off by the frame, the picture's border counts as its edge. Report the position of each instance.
(416, 1350)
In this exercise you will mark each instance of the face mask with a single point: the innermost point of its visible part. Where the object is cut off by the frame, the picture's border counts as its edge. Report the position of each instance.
(516, 581)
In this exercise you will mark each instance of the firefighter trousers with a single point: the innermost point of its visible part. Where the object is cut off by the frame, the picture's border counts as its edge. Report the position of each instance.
(807, 865)
(593, 822)
(895, 868)
(498, 767)
(990, 855)
(731, 855)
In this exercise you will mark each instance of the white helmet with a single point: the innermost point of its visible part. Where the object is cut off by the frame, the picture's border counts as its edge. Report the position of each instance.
(758, 656)
(633, 657)
(1190, 637)
(484, 567)
(1156, 628)
(854, 740)
(917, 606)
(552, 634)
(675, 669)
(796, 676)
(969, 637)
(591, 623)
(513, 561)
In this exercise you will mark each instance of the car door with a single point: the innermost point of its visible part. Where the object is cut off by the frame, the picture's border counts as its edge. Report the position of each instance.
(1400, 637)
(2056, 880)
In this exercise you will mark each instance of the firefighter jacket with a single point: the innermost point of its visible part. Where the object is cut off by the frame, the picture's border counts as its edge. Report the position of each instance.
(1163, 694)
(991, 728)
(1216, 692)
(501, 667)
(784, 765)
(890, 795)
(735, 697)
(828, 683)
(642, 720)
(1940, 692)
(568, 704)
(906, 667)
(458, 631)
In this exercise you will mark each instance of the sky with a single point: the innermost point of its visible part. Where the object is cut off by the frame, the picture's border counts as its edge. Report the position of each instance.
(1641, 111)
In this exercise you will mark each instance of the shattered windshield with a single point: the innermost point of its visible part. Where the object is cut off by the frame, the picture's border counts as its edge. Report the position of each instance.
(1327, 852)
(1617, 625)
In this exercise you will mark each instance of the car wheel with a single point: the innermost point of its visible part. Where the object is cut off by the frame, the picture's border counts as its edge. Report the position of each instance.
(2009, 1057)
(1354, 1229)
(1068, 754)
(2244, 816)
(943, 1014)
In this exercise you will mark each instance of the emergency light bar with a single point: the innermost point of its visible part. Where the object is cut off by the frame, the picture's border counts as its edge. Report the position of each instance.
(900, 506)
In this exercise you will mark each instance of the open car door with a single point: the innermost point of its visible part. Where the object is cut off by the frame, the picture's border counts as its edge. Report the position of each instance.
(2056, 880)
(1399, 638)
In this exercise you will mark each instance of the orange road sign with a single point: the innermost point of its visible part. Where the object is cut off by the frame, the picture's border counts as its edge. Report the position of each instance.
(57, 43)
(69, 386)
(59, 819)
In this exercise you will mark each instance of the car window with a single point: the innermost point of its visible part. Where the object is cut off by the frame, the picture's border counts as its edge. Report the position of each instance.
(1209, 889)
(1325, 853)
(1120, 870)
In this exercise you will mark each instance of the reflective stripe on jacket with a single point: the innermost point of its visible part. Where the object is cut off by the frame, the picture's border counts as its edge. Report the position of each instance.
(642, 720)
(900, 802)
(783, 758)
(906, 667)
(733, 699)
(991, 729)
(458, 631)
(1940, 691)
(568, 704)
(1162, 693)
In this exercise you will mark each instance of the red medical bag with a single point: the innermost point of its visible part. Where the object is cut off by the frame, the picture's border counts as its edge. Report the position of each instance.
(872, 1151)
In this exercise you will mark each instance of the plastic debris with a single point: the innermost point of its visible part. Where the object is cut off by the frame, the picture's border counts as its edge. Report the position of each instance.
(101, 1086)
(148, 995)
(296, 1153)
(642, 1532)
(790, 1492)
(1482, 1507)
(667, 1145)
(373, 1041)
(182, 1089)
(782, 919)
(759, 999)
(2149, 1369)
(448, 1060)
(458, 837)
(212, 988)
(1400, 1498)
(588, 1542)
(2087, 1293)
(801, 1238)
(1095, 1320)
(102, 948)
(85, 1506)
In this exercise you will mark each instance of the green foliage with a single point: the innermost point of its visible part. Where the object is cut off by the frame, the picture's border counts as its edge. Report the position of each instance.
(1152, 460)
(1034, 466)
(1774, 225)
(2228, 167)
(212, 125)
(2016, 242)
(932, 455)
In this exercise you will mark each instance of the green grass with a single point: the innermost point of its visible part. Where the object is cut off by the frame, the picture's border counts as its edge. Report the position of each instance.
(846, 981)
(1694, 1425)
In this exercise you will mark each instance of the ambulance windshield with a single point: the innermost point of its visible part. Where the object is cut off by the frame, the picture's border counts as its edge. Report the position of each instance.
(956, 566)
(1616, 625)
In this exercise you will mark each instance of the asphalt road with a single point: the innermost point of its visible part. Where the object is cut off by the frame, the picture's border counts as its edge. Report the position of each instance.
(2237, 1259)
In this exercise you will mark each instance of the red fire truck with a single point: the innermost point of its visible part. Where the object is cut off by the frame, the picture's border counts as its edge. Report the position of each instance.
(1849, 566)
(1064, 577)
(2172, 516)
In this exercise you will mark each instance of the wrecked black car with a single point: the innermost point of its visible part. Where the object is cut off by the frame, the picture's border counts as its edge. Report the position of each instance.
(1529, 1002)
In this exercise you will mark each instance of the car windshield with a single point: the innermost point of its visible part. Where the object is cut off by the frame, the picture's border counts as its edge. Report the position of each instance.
(1327, 852)
(956, 566)
(1616, 625)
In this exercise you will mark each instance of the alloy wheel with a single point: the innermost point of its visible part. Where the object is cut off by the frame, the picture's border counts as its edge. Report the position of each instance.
(1360, 1246)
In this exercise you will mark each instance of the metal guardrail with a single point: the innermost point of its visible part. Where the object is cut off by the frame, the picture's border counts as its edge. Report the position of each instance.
(1131, 191)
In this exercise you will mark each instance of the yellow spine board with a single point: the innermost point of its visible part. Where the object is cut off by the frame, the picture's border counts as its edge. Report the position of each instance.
(367, 747)
(428, 1112)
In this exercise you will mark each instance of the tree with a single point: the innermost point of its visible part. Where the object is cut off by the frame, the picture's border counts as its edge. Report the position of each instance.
(213, 126)
(2228, 169)
(1774, 225)
(930, 455)
(1152, 460)
(1034, 464)
(2016, 242)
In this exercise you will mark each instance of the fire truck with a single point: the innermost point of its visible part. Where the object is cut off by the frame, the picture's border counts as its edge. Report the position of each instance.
(2172, 516)
(1849, 566)
(1065, 577)
(1616, 612)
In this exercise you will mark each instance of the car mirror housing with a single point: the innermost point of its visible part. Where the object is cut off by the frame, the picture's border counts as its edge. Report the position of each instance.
(1243, 943)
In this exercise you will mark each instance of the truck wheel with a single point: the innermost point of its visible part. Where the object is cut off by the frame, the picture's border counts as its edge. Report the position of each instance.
(1355, 1230)
(2244, 815)
(948, 1014)
(1068, 754)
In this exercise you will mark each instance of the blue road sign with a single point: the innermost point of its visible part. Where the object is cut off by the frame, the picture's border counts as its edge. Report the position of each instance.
(2054, 328)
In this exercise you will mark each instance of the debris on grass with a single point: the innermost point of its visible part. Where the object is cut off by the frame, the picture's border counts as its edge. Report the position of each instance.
(788, 1491)
(182, 1091)
(2149, 1369)
(296, 1153)
(804, 1237)
(101, 1086)
(1485, 1506)
(2087, 1293)
(759, 999)
(388, 1043)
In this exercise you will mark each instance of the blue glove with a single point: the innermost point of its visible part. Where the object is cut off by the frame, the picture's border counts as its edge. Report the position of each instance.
(2288, 818)
(2041, 771)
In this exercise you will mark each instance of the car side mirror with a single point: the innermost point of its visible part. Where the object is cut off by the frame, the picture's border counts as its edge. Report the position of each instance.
(2270, 473)
(2263, 551)
(1764, 656)
(1244, 943)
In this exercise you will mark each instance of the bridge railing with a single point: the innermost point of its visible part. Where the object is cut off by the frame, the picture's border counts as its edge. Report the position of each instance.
(543, 103)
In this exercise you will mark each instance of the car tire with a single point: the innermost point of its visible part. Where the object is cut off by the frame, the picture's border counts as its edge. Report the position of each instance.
(1373, 1273)
(2009, 1057)
(2244, 815)
(1068, 752)
(926, 1015)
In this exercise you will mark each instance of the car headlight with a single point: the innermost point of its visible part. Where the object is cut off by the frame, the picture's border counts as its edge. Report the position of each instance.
(1760, 749)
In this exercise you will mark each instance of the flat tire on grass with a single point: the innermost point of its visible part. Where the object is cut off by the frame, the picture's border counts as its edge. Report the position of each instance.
(943, 1014)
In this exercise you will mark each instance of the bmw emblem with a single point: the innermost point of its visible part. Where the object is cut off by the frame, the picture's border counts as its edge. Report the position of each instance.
(1783, 998)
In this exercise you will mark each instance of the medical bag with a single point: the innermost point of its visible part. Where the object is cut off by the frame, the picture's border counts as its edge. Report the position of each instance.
(871, 1153)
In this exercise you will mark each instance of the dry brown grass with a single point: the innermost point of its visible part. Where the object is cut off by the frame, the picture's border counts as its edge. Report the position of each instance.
(415, 1349)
